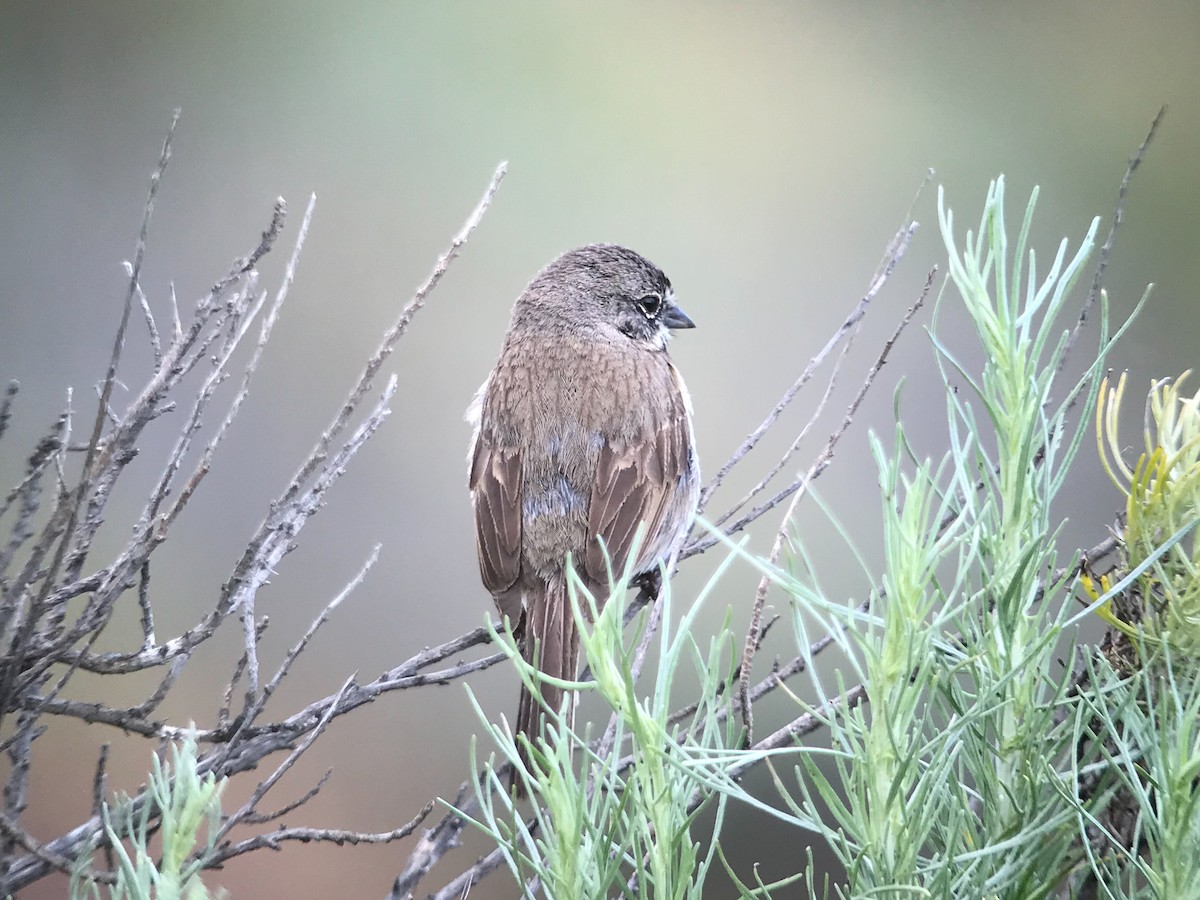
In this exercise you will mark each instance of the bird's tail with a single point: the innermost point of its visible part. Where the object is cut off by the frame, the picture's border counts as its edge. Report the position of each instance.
(551, 644)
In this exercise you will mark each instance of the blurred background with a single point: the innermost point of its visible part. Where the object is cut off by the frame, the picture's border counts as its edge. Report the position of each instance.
(763, 155)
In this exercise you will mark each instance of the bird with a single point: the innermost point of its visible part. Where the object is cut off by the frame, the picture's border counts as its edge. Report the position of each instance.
(582, 435)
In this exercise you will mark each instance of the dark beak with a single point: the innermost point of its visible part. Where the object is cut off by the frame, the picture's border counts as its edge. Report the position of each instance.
(674, 317)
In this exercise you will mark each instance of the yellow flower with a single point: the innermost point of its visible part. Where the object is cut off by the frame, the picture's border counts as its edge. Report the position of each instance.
(1162, 493)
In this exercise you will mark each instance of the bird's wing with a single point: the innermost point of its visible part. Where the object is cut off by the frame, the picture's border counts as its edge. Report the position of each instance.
(635, 483)
(495, 483)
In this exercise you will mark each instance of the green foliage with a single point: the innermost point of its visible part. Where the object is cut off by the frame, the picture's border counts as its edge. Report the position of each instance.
(974, 751)
(182, 801)
(1149, 724)
(946, 783)
(607, 825)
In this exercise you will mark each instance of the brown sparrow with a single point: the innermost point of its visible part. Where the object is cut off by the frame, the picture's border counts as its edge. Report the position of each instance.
(583, 432)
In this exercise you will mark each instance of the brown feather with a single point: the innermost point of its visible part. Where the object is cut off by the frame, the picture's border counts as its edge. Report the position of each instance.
(633, 487)
(496, 482)
(551, 644)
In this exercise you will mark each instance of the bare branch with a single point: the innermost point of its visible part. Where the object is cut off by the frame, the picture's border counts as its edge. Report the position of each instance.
(14, 833)
(148, 315)
(274, 839)
(435, 843)
(43, 650)
(251, 805)
(791, 451)
(10, 393)
(895, 252)
(753, 636)
(1107, 247)
(100, 780)
(260, 818)
(393, 335)
(95, 443)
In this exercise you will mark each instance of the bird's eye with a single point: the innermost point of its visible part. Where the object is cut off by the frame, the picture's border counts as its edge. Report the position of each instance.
(650, 305)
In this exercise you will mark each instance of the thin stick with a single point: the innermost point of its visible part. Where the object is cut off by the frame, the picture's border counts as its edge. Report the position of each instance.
(895, 252)
(822, 462)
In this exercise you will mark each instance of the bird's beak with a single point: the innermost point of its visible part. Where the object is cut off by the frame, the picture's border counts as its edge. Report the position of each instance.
(674, 317)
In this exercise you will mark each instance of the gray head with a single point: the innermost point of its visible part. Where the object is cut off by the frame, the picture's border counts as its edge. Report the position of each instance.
(602, 288)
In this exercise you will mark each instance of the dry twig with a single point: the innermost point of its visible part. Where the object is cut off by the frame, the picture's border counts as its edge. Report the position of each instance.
(52, 611)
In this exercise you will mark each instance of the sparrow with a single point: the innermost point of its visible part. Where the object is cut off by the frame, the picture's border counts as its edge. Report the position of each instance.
(582, 433)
